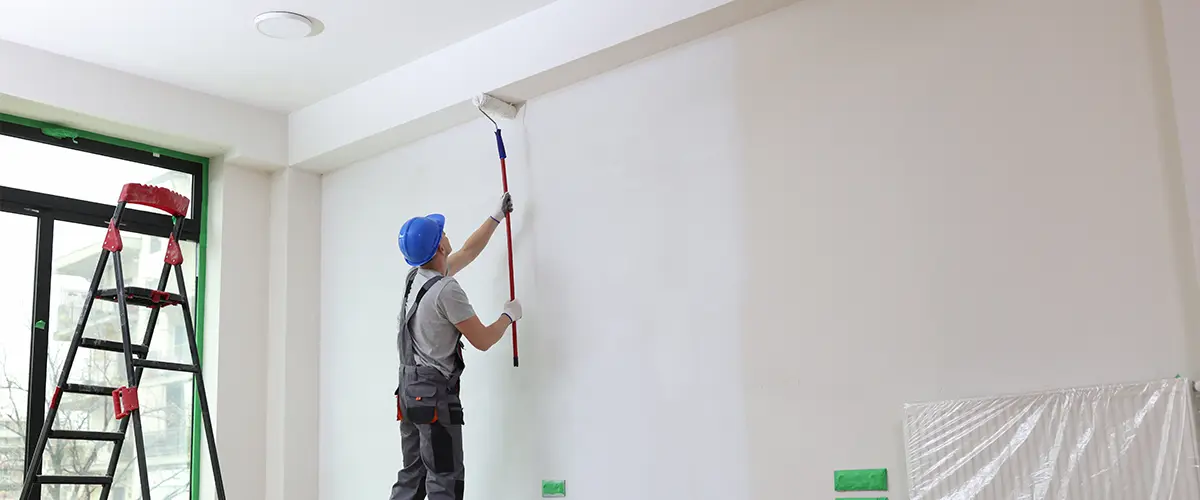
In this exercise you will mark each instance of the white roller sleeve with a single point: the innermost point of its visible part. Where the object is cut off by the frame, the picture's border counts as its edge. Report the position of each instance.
(495, 107)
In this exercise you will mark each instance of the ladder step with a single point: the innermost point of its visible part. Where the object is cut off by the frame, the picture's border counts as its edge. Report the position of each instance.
(110, 346)
(163, 365)
(100, 480)
(86, 435)
(89, 389)
(144, 297)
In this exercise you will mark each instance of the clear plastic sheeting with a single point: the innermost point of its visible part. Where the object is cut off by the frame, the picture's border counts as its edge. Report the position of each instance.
(1116, 442)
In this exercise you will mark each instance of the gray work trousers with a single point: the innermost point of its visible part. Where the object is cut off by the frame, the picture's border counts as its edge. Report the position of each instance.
(433, 462)
(430, 437)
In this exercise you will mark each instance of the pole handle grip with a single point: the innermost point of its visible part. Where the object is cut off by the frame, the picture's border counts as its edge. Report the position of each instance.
(500, 145)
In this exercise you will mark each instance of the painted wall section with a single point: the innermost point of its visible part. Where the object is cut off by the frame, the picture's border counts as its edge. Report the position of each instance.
(235, 339)
(954, 199)
(740, 257)
(613, 333)
(1181, 34)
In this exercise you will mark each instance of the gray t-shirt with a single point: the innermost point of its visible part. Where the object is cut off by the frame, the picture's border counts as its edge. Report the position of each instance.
(432, 325)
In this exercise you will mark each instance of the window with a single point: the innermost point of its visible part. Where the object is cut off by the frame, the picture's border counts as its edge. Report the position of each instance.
(92, 177)
(56, 196)
(16, 267)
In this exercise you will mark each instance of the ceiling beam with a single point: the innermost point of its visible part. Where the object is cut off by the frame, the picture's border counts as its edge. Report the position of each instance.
(562, 43)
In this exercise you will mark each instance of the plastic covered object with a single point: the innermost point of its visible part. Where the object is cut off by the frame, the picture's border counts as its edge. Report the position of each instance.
(1114, 442)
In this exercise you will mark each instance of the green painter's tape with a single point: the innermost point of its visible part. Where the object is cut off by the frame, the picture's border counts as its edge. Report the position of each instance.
(201, 278)
(552, 489)
(61, 133)
(860, 480)
(73, 134)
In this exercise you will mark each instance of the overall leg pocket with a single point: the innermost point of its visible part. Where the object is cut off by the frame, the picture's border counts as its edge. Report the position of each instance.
(419, 400)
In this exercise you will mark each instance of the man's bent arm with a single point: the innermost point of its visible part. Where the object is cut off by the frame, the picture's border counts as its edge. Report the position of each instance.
(479, 239)
(471, 248)
(480, 336)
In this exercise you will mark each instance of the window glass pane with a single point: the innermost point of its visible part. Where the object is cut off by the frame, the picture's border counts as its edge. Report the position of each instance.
(165, 397)
(16, 311)
(34, 166)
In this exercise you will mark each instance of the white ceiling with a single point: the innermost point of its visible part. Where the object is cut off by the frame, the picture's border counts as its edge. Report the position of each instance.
(211, 46)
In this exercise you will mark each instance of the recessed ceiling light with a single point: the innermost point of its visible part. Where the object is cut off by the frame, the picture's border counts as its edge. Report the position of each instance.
(280, 24)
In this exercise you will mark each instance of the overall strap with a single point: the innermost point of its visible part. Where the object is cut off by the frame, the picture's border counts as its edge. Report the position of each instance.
(420, 294)
(459, 365)
(407, 347)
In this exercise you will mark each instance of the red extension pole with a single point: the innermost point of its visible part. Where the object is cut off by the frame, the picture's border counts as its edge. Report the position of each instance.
(512, 286)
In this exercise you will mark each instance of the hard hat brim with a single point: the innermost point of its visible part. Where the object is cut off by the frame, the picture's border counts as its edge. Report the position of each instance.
(439, 219)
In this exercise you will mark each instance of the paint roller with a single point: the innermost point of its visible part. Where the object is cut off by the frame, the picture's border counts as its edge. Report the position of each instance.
(493, 107)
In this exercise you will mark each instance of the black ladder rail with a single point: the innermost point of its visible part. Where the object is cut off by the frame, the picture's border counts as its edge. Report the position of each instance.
(205, 416)
(83, 480)
(110, 346)
(126, 405)
(123, 427)
(35, 465)
(139, 442)
(86, 435)
(94, 390)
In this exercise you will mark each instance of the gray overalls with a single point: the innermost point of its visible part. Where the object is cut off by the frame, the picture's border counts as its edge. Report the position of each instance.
(430, 414)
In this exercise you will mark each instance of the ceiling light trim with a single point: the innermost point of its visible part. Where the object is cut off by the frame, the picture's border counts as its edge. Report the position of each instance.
(286, 25)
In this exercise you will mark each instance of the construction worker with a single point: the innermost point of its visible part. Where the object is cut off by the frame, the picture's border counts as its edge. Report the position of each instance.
(434, 317)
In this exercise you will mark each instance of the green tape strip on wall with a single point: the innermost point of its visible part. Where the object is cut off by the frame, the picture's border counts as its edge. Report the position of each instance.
(860, 480)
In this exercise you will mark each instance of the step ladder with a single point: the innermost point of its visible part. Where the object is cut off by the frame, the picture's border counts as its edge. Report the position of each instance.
(125, 399)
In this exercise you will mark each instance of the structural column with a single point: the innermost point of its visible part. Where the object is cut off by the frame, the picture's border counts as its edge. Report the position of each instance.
(292, 357)
(235, 327)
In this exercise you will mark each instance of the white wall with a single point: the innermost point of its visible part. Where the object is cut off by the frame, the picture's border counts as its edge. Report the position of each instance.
(261, 331)
(1182, 61)
(260, 349)
(235, 339)
(741, 257)
(976, 203)
(292, 336)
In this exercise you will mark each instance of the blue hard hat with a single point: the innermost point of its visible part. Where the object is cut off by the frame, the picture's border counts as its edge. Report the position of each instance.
(419, 238)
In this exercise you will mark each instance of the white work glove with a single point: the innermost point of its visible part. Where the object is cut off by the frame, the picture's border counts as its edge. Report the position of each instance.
(506, 207)
(513, 310)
